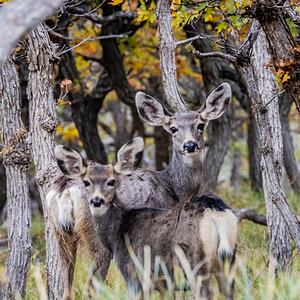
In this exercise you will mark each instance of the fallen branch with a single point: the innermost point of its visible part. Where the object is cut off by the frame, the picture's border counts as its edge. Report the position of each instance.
(252, 215)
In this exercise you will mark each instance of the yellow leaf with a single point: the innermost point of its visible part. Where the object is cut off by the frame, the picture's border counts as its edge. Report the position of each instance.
(286, 77)
(115, 2)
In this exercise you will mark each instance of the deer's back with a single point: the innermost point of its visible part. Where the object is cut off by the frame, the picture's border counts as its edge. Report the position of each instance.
(188, 224)
(145, 189)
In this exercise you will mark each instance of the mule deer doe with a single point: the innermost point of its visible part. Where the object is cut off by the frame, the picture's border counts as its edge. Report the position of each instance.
(191, 224)
(182, 178)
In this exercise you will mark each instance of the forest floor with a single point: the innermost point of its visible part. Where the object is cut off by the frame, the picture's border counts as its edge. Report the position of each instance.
(252, 279)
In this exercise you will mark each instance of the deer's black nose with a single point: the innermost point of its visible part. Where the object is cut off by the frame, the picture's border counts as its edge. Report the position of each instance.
(190, 146)
(97, 202)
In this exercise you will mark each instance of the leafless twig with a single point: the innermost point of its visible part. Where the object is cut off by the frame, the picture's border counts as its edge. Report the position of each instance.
(229, 57)
(191, 39)
(277, 95)
(102, 37)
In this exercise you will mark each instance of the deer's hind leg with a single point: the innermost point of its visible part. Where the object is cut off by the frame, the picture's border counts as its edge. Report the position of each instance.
(68, 257)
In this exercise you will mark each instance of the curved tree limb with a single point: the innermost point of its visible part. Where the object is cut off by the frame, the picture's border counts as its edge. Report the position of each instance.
(18, 17)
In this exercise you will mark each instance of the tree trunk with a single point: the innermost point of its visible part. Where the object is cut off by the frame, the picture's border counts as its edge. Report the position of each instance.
(43, 122)
(283, 47)
(121, 135)
(262, 89)
(167, 56)
(2, 185)
(289, 160)
(18, 17)
(235, 178)
(85, 116)
(85, 107)
(218, 131)
(16, 156)
(254, 155)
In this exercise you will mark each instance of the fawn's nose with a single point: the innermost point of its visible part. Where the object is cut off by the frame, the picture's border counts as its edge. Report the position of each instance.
(190, 146)
(97, 202)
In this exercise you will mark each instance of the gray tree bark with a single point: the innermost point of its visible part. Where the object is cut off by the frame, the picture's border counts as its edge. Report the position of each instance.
(289, 159)
(18, 17)
(43, 122)
(254, 155)
(16, 156)
(2, 185)
(263, 89)
(282, 44)
(167, 56)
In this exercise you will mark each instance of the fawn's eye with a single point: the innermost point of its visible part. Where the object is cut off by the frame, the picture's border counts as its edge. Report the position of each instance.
(173, 129)
(201, 127)
(111, 182)
(86, 183)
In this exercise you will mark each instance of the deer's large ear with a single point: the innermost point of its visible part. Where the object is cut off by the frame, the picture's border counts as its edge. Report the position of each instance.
(129, 156)
(216, 103)
(150, 110)
(70, 161)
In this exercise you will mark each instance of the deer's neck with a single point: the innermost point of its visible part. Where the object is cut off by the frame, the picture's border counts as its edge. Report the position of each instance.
(108, 225)
(184, 174)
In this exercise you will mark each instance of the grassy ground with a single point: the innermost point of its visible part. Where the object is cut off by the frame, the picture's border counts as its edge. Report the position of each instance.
(252, 279)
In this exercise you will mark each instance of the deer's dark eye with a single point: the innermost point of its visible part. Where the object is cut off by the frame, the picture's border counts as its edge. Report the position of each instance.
(86, 183)
(111, 182)
(201, 127)
(173, 129)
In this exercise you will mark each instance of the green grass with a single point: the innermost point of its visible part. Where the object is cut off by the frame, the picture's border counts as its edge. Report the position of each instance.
(253, 280)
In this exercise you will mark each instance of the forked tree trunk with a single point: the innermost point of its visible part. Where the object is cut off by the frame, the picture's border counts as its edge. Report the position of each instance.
(263, 89)
(16, 156)
(43, 122)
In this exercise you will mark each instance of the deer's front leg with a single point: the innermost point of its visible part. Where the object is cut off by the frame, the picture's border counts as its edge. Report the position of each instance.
(99, 267)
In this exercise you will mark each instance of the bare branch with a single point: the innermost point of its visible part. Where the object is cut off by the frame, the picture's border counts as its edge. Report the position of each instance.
(191, 39)
(102, 37)
(229, 57)
(18, 17)
(81, 12)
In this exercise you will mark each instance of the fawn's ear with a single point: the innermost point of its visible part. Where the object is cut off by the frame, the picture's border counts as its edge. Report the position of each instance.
(150, 110)
(129, 156)
(71, 163)
(216, 103)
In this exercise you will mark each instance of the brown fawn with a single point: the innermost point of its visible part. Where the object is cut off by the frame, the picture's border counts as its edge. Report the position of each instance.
(69, 206)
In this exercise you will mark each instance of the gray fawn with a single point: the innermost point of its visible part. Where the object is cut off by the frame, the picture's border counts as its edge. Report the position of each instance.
(190, 224)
